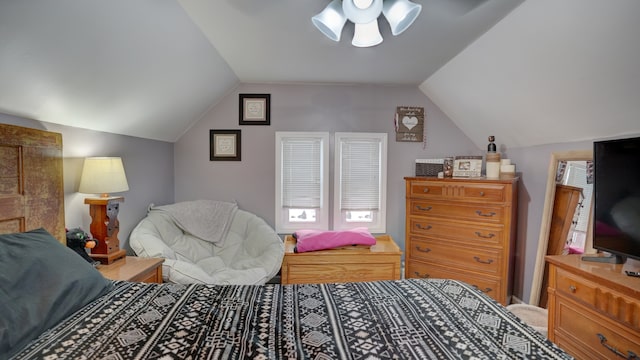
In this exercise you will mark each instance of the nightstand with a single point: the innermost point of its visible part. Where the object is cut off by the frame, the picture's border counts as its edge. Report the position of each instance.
(344, 264)
(133, 268)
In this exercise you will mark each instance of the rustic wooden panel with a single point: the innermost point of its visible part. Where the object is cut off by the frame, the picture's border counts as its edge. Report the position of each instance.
(31, 182)
(11, 170)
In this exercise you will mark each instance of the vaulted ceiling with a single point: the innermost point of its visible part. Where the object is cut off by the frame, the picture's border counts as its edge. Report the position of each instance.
(531, 72)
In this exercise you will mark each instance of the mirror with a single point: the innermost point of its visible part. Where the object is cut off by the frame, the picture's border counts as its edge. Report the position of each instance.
(584, 241)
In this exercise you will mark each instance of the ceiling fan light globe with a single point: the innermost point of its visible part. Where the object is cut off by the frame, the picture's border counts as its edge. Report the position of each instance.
(331, 20)
(400, 14)
(366, 35)
(358, 15)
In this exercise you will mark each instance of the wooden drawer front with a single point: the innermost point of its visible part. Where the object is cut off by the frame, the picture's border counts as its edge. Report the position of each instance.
(482, 213)
(592, 332)
(458, 191)
(617, 306)
(468, 233)
(486, 284)
(449, 254)
(151, 276)
(484, 192)
(325, 273)
(426, 189)
(575, 287)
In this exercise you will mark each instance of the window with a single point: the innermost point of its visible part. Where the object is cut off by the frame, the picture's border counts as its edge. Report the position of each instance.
(302, 186)
(302, 181)
(360, 181)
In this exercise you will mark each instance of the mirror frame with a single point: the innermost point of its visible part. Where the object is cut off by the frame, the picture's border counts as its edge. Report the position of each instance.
(545, 227)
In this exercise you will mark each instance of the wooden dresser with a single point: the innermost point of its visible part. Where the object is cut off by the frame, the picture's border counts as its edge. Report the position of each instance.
(344, 264)
(462, 229)
(594, 308)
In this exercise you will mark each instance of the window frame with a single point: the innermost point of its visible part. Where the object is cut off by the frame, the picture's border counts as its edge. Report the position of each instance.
(283, 225)
(378, 224)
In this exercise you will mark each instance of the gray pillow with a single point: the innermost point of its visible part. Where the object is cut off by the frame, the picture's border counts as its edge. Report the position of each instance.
(41, 283)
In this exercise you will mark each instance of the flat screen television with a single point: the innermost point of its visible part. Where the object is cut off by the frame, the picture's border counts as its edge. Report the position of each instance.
(616, 225)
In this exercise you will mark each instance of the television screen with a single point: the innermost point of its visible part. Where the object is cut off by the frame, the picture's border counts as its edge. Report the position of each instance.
(617, 197)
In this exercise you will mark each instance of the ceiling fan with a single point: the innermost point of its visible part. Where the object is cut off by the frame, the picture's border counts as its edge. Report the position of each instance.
(364, 14)
(400, 14)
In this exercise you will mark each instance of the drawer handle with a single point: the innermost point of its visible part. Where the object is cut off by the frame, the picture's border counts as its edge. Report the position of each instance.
(419, 226)
(424, 276)
(485, 290)
(479, 212)
(491, 235)
(573, 288)
(425, 190)
(481, 261)
(428, 208)
(603, 341)
(481, 193)
(423, 250)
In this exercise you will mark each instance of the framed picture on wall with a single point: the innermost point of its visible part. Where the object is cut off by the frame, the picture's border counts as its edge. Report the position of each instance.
(224, 145)
(255, 109)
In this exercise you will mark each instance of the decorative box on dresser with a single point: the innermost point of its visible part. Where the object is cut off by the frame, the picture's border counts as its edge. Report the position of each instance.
(463, 229)
(594, 308)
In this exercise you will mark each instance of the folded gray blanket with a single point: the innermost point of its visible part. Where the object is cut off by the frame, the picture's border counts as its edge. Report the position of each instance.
(206, 219)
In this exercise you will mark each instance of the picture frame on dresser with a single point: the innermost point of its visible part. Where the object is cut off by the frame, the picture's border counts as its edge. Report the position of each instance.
(467, 166)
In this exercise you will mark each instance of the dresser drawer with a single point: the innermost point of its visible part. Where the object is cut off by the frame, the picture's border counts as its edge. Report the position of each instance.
(486, 284)
(470, 233)
(591, 332)
(452, 254)
(426, 189)
(458, 191)
(479, 212)
(333, 273)
(575, 287)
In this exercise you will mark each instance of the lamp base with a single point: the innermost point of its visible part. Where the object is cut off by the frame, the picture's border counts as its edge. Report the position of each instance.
(107, 259)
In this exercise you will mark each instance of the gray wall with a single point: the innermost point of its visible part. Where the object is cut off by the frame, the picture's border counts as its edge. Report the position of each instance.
(332, 108)
(148, 165)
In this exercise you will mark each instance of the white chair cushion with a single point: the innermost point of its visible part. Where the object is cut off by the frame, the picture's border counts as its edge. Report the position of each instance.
(251, 252)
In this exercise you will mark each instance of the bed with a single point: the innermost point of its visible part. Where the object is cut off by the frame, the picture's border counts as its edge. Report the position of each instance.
(54, 305)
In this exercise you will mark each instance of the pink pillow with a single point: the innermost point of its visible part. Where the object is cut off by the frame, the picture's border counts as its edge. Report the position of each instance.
(312, 240)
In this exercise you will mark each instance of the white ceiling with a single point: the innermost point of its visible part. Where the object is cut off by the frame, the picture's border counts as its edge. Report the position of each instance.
(551, 72)
(151, 68)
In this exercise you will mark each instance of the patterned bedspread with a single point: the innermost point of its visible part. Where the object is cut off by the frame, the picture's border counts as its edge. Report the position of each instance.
(407, 319)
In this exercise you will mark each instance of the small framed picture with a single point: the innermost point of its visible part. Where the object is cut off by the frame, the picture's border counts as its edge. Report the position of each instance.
(224, 145)
(467, 166)
(255, 109)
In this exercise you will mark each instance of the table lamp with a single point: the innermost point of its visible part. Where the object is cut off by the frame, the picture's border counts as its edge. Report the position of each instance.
(104, 175)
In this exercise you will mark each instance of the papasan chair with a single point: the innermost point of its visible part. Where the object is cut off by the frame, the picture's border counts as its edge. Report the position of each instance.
(210, 242)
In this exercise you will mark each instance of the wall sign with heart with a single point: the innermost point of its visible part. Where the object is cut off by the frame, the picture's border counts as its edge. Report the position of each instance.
(409, 121)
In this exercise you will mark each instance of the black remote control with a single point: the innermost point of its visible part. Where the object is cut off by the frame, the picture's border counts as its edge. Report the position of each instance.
(632, 273)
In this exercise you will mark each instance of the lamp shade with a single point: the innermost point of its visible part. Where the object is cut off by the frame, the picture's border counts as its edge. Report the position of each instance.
(400, 14)
(103, 175)
(366, 35)
(331, 20)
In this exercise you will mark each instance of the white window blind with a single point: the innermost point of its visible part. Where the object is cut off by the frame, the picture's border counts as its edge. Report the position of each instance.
(360, 174)
(302, 186)
(301, 175)
(360, 181)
